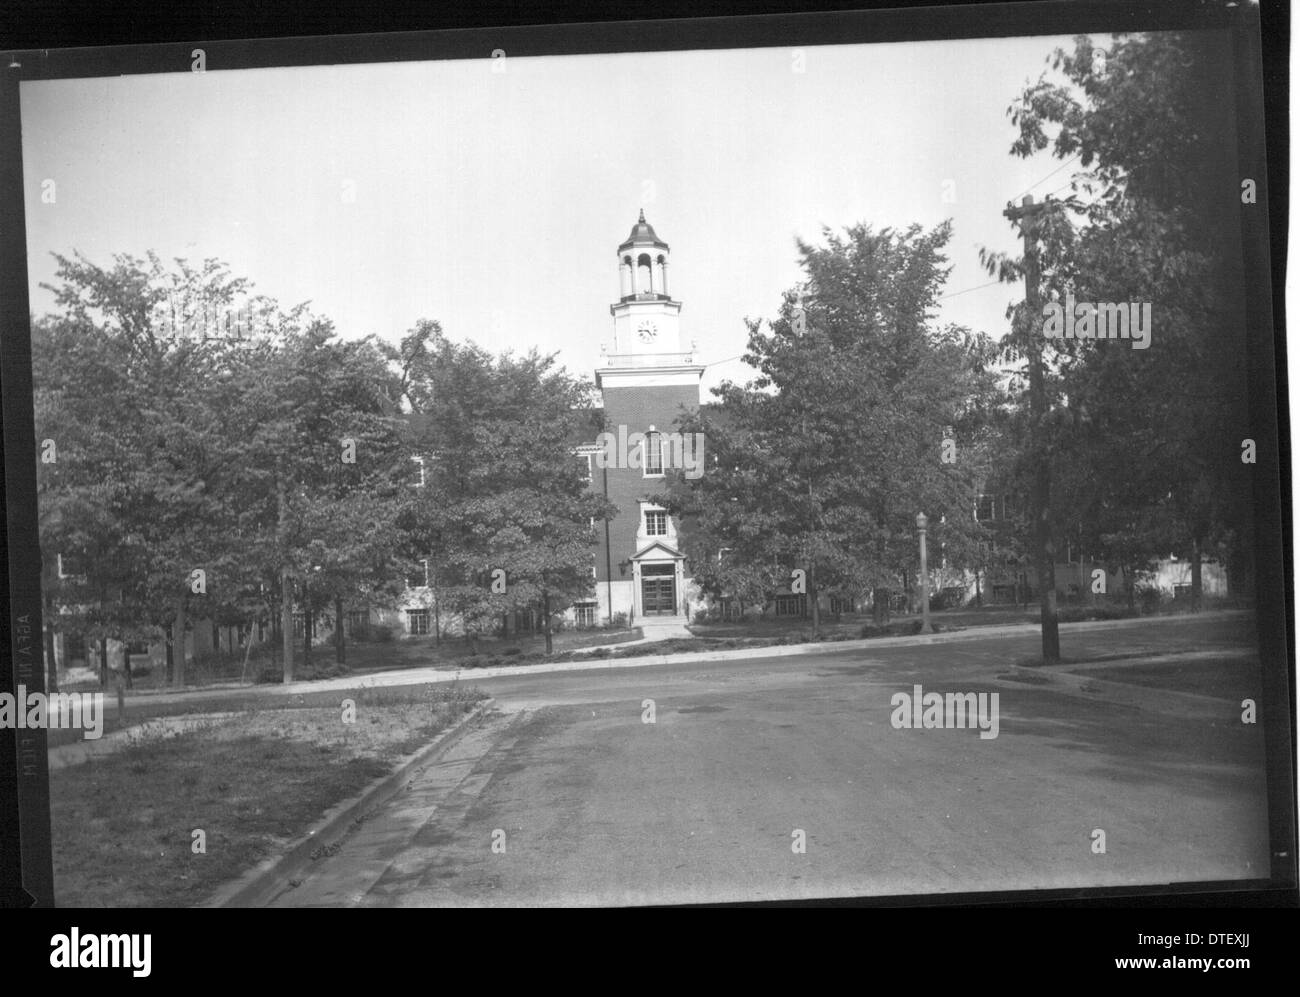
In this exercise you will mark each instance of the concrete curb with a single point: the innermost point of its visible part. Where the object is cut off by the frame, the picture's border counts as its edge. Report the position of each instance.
(268, 878)
(416, 676)
(421, 676)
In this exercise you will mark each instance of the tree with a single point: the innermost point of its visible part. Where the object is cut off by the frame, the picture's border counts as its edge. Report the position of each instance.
(821, 463)
(117, 386)
(1147, 441)
(201, 468)
(505, 517)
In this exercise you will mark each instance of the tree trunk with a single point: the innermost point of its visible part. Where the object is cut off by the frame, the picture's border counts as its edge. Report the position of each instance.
(286, 623)
(169, 647)
(103, 662)
(546, 620)
(248, 649)
(1196, 575)
(286, 593)
(52, 665)
(178, 642)
(275, 639)
(812, 598)
(306, 630)
(340, 655)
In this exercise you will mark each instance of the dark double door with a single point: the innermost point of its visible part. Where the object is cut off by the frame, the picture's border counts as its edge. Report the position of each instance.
(658, 590)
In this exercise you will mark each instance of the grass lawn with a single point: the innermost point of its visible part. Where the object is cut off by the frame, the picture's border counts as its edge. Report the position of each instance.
(793, 630)
(1234, 677)
(361, 657)
(123, 824)
(849, 625)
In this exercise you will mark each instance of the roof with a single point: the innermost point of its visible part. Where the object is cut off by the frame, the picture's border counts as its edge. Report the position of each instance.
(642, 234)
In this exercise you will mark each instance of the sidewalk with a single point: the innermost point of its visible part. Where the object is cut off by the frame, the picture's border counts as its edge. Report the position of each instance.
(419, 676)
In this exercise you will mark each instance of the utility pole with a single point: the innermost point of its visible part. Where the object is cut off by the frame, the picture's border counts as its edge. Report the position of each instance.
(799, 326)
(286, 590)
(1044, 548)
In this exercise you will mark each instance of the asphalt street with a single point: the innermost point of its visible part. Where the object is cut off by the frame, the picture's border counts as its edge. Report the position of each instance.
(569, 794)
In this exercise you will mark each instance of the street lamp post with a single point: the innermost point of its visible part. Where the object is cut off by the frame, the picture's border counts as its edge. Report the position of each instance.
(925, 588)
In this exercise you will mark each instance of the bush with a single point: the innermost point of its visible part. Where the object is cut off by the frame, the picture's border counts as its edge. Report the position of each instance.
(1149, 598)
(703, 616)
(381, 633)
(900, 629)
(1102, 611)
(949, 598)
(619, 619)
(316, 672)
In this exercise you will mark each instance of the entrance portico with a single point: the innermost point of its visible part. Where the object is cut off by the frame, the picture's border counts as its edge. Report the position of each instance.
(658, 582)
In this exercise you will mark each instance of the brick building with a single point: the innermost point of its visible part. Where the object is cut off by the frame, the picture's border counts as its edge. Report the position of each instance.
(648, 378)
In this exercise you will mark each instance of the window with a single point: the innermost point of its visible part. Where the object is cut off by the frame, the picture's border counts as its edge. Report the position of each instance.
(74, 647)
(656, 524)
(986, 508)
(584, 466)
(417, 621)
(299, 624)
(791, 605)
(71, 566)
(420, 577)
(419, 476)
(358, 619)
(585, 614)
(654, 454)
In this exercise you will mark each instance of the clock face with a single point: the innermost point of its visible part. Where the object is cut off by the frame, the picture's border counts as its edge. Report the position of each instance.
(646, 332)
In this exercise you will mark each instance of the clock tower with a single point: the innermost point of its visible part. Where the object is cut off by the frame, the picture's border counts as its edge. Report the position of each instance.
(646, 318)
(649, 378)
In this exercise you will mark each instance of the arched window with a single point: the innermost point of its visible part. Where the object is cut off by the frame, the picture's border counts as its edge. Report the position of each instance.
(625, 287)
(644, 277)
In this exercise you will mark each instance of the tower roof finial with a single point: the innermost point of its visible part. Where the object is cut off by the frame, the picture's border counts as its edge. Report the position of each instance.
(642, 235)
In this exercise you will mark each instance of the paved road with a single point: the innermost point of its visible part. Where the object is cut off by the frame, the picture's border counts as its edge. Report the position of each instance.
(566, 796)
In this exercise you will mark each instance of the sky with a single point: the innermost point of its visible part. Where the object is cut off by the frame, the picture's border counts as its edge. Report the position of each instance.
(494, 202)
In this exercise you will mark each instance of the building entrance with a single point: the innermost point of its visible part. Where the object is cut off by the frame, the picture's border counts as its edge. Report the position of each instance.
(658, 589)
